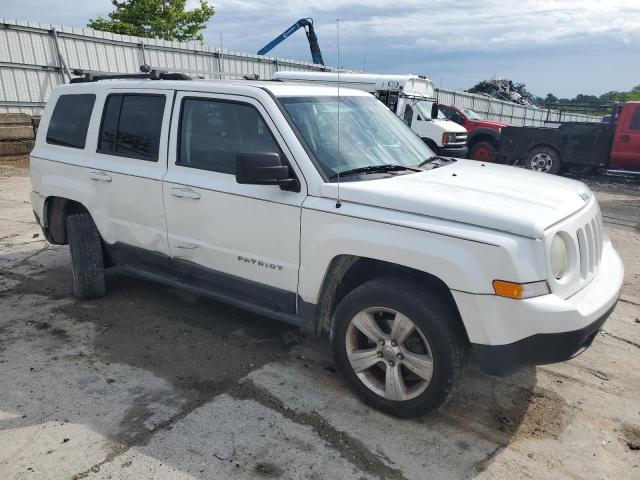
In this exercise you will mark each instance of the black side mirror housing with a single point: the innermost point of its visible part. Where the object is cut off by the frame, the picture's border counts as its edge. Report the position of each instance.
(264, 168)
(435, 109)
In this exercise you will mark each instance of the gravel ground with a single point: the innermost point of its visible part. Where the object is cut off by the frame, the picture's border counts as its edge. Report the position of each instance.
(152, 382)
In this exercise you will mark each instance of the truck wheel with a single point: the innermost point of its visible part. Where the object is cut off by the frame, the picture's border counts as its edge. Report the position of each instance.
(87, 259)
(398, 347)
(543, 159)
(483, 151)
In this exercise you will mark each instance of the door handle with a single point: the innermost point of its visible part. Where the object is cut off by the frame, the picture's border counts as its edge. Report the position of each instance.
(99, 176)
(624, 138)
(185, 192)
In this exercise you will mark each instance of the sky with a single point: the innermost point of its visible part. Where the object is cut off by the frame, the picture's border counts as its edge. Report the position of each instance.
(564, 47)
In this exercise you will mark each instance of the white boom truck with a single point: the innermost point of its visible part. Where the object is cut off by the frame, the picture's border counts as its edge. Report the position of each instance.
(411, 97)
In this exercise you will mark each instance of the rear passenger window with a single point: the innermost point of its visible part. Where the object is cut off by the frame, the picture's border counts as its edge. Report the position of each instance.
(635, 120)
(131, 126)
(212, 133)
(70, 120)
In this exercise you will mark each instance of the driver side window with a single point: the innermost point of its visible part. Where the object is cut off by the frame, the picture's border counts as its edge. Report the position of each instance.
(213, 132)
(457, 117)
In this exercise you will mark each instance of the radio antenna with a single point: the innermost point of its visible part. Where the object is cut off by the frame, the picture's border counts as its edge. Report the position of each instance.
(338, 202)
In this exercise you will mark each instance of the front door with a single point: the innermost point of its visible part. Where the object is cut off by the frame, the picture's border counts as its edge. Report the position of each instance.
(243, 241)
(625, 153)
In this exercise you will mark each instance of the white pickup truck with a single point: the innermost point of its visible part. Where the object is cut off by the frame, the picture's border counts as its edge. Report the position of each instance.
(246, 192)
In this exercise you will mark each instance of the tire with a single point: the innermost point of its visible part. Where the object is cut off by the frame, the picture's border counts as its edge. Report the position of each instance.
(543, 159)
(87, 258)
(434, 322)
(483, 151)
(579, 170)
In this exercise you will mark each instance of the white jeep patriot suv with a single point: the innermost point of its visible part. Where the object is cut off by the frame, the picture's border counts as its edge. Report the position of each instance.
(322, 209)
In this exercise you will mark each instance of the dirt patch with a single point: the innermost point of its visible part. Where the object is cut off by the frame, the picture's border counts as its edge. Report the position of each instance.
(269, 470)
(631, 437)
(545, 415)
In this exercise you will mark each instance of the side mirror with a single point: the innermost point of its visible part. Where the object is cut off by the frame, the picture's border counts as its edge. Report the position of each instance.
(263, 168)
(435, 109)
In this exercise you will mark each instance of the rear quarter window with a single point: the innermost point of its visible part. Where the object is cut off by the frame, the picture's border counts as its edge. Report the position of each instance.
(70, 120)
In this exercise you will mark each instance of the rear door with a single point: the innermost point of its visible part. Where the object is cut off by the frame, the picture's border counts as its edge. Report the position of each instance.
(242, 241)
(625, 153)
(126, 166)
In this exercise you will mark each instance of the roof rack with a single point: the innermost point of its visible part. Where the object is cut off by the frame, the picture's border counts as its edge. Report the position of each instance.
(147, 72)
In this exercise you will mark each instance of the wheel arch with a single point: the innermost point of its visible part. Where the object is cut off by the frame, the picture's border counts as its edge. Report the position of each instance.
(56, 211)
(347, 272)
(547, 145)
(483, 135)
(431, 144)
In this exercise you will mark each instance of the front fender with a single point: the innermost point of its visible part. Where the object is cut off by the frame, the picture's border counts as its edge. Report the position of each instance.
(463, 264)
(483, 132)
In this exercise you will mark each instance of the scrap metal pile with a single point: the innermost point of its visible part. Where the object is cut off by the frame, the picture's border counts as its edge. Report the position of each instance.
(504, 89)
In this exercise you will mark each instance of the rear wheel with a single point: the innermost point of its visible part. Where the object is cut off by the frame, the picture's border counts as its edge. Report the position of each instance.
(483, 151)
(543, 159)
(87, 258)
(398, 346)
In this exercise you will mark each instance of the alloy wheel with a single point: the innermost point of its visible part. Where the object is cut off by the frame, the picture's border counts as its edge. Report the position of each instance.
(541, 162)
(389, 353)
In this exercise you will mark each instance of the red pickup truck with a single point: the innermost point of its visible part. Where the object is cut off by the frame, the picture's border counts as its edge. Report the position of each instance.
(577, 147)
(484, 135)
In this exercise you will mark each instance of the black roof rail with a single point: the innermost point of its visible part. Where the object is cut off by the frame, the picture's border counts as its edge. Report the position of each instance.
(84, 76)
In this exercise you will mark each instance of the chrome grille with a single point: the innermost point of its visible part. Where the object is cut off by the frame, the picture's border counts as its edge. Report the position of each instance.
(590, 246)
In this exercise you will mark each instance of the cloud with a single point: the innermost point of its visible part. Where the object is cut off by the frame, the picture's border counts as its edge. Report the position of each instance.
(458, 41)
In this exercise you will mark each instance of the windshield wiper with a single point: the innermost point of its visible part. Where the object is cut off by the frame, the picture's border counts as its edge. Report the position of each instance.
(436, 161)
(389, 167)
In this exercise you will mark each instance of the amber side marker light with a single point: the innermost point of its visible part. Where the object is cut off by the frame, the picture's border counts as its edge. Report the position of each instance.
(518, 291)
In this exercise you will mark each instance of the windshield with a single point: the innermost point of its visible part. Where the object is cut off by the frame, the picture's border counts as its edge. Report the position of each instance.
(424, 108)
(472, 115)
(370, 134)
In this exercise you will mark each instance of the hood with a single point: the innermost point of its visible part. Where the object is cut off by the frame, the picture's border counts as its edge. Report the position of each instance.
(498, 197)
(448, 125)
(490, 124)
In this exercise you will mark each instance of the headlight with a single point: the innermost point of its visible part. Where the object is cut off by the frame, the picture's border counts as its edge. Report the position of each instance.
(559, 256)
(448, 138)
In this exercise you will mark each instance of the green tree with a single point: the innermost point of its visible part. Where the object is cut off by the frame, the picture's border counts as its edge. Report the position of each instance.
(551, 98)
(633, 94)
(166, 19)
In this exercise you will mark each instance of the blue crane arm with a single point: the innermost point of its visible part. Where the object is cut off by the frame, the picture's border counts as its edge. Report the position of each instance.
(305, 23)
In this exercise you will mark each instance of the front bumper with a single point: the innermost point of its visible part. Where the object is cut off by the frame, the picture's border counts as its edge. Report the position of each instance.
(507, 335)
(457, 151)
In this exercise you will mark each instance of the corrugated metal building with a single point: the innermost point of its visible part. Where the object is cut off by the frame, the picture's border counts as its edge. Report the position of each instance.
(35, 57)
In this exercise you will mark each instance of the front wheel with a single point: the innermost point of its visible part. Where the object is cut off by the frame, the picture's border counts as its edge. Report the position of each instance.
(483, 151)
(399, 346)
(544, 160)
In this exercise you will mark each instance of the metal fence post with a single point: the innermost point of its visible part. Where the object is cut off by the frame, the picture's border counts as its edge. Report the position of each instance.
(144, 57)
(61, 65)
